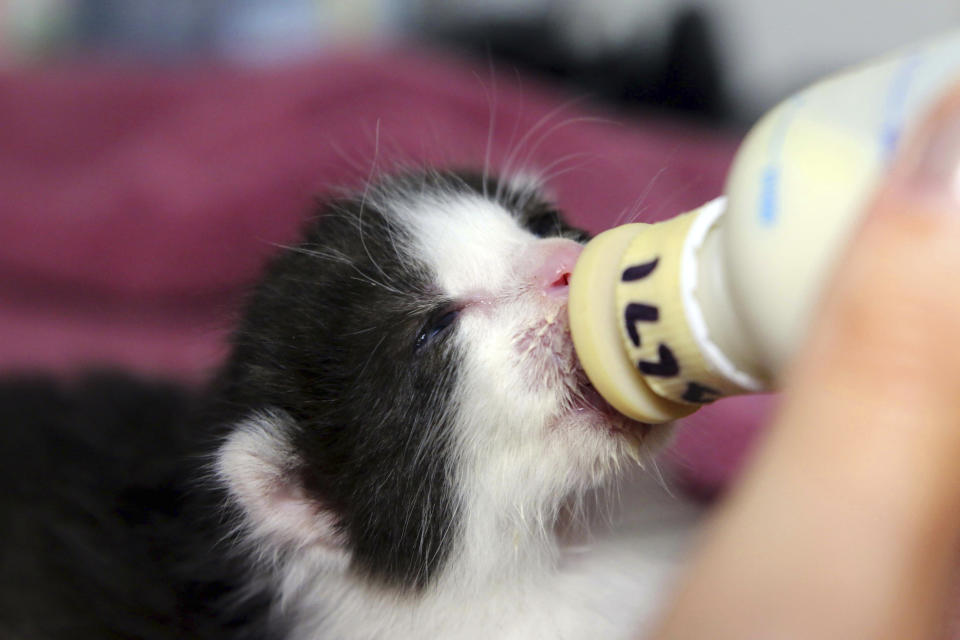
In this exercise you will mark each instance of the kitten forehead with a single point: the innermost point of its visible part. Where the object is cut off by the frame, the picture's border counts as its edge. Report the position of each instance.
(466, 240)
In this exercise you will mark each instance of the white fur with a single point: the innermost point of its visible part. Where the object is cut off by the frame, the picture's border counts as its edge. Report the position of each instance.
(607, 586)
(534, 557)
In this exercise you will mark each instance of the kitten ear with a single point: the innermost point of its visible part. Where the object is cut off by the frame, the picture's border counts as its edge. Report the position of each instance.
(259, 468)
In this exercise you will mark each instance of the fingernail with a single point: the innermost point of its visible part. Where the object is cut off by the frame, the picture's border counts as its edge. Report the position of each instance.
(928, 166)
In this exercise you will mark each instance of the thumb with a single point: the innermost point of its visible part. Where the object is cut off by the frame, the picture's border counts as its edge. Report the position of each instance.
(893, 310)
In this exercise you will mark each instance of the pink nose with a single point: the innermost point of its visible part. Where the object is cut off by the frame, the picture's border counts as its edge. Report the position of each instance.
(552, 263)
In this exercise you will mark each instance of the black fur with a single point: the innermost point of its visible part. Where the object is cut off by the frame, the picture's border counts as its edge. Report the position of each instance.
(107, 526)
(97, 536)
(369, 407)
(371, 404)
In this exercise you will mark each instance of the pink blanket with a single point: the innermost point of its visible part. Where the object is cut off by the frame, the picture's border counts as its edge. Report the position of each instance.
(136, 205)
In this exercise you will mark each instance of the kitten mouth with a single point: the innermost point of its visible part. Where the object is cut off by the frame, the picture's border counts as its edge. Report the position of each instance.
(548, 349)
(587, 399)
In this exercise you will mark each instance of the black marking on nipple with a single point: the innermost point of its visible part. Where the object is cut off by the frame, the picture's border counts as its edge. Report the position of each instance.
(638, 312)
(700, 393)
(665, 368)
(640, 271)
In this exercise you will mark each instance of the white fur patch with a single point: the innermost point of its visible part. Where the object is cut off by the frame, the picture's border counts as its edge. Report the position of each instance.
(469, 242)
(608, 585)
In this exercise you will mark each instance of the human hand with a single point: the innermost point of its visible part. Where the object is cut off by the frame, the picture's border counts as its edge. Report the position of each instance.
(846, 524)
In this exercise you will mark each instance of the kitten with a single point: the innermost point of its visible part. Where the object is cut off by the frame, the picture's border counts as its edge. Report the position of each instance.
(401, 445)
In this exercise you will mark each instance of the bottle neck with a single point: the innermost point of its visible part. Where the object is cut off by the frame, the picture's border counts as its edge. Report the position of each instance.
(652, 320)
(677, 344)
(711, 304)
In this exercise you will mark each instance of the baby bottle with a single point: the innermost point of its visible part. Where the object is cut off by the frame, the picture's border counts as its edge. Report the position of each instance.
(669, 316)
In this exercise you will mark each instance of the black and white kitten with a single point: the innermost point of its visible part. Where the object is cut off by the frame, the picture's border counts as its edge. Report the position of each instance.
(401, 445)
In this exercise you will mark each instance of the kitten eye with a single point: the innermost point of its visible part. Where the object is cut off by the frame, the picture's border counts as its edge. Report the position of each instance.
(435, 326)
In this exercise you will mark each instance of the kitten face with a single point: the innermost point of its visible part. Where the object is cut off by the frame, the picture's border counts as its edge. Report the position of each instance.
(404, 391)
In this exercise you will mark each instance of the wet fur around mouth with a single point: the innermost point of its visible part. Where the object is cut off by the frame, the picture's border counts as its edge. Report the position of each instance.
(385, 453)
(546, 347)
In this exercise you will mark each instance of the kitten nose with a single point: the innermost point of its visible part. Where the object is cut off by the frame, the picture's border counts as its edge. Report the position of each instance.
(553, 262)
